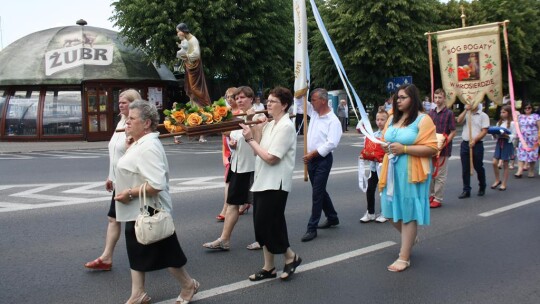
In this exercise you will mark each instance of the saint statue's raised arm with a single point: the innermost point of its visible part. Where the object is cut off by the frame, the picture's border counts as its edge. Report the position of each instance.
(190, 54)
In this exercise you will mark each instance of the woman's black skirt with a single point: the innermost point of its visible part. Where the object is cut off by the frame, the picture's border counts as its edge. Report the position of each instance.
(239, 185)
(163, 254)
(112, 207)
(269, 220)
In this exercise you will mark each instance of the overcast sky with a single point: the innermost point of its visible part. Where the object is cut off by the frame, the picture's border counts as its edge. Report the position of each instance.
(19, 18)
(22, 17)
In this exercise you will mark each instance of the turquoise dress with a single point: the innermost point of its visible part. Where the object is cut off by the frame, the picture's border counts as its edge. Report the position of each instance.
(410, 202)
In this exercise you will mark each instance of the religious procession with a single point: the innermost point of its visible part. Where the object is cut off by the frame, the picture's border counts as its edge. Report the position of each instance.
(468, 99)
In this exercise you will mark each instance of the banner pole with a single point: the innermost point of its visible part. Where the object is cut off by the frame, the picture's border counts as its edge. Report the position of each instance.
(469, 121)
(430, 50)
(305, 135)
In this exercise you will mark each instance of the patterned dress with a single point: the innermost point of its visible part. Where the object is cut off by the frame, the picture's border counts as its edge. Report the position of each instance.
(529, 129)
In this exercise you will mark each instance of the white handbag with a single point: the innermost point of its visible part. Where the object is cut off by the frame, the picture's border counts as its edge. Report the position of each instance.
(152, 228)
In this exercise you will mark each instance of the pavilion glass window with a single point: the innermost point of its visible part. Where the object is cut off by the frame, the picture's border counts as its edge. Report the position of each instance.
(21, 115)
(62, 113)
(2, 103)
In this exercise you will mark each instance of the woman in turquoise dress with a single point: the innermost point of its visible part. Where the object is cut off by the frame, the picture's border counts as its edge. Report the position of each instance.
(406, 174)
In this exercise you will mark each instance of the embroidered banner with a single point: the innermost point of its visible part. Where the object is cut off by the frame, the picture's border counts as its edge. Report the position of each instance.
(301, 61)
(470, 60)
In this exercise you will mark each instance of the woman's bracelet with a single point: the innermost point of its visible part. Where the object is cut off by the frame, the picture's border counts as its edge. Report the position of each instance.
(248, 140)
(130, 195)
(405, 149)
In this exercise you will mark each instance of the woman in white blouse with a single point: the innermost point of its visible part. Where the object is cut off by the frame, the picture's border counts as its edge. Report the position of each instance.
(117, 148)
(274, 166)
(241, 175)
(145, 163)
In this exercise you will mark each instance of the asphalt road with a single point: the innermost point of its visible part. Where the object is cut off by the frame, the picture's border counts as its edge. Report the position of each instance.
(469, 254)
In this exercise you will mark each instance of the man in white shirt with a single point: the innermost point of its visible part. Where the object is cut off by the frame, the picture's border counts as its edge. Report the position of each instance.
(427, 104)
(388, 104)
(479, 128)
(257, 105)
(324, 133)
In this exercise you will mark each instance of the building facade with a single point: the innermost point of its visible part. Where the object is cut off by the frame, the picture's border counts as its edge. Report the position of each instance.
(63, 83)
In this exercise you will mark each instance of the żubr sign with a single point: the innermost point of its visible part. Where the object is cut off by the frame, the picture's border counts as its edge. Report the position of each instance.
(69, 57)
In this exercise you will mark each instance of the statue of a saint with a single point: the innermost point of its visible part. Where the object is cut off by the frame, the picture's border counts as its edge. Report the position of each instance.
(190, 54)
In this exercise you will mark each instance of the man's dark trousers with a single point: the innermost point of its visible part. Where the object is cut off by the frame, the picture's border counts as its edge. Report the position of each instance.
(478, 163)
(318, 171)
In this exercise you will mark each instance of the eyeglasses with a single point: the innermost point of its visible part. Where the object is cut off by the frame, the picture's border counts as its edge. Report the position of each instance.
(272, 101)
(402, 97)
(229, 96)
(528, 108)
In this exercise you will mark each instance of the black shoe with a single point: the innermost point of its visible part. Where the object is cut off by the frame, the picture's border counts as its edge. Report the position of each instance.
(327, 224)
(263, 274)
(310, 235)
(290, 268)
(465, 194)
(481, 192)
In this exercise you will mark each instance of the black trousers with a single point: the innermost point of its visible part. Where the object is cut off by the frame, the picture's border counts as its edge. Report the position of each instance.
(373, 181)
(478, 163)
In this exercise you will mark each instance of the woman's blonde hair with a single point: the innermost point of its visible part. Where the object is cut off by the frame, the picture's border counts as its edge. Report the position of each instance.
(131, 95)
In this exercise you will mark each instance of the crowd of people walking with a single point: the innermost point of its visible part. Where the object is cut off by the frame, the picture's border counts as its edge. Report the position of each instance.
(259, 160)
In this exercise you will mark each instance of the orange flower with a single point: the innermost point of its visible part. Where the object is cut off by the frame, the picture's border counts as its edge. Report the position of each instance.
(209, 118)
(223, 111)
(179, 116)
(168, 125)
(177, 129)
(194, 119)
(217, 117)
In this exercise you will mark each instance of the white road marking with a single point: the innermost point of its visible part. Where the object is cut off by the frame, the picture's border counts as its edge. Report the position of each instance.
(510, 207)
(85, 189)
(302, 268)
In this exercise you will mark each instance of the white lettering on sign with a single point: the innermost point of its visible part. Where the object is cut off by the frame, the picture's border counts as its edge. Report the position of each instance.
(70, 57)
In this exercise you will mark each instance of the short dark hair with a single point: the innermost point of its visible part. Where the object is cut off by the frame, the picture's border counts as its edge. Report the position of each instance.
(322, 93)
(284, 95)
(440, 91)
(246, 90)
(183, 28)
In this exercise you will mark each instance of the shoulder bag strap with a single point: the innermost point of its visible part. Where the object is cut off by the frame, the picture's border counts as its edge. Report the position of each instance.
(142, 198)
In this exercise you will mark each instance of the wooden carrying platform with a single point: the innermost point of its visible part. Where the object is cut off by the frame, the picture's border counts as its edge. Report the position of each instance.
(224, 126)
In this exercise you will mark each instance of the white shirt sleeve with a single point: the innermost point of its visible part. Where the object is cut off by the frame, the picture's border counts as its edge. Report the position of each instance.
(332, 141)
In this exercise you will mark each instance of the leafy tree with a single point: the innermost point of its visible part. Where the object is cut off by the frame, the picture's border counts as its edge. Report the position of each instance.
(242, 42)
(524, 42)
(376, 40)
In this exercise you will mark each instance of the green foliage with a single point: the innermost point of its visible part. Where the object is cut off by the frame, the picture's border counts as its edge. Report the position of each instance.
(250, 41)
(524, 41)
(243, 42)
(375, 40)
(220, 102)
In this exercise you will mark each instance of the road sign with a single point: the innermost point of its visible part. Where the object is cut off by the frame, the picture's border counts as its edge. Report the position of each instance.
(393, 84)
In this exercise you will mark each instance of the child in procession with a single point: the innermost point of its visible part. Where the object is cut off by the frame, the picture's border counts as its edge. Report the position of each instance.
(504, 149)
(369, 216)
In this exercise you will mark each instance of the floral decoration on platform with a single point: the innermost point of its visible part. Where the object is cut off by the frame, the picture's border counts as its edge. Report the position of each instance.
(192, 115)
